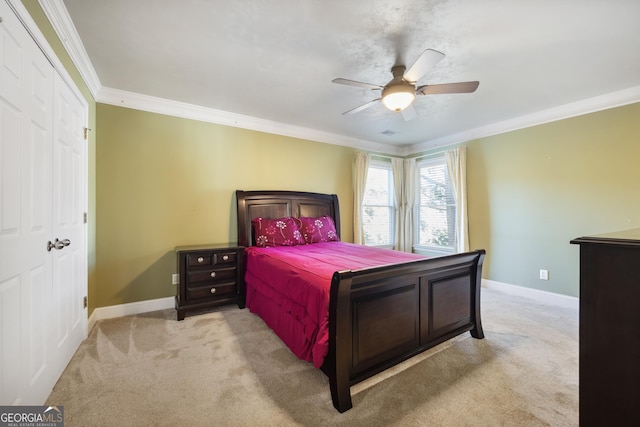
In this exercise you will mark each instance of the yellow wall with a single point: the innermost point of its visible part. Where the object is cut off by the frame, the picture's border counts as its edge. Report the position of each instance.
(533, 190)
(165, 181)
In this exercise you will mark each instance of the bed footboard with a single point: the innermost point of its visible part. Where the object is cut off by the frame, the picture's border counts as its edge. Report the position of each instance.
(381, 316)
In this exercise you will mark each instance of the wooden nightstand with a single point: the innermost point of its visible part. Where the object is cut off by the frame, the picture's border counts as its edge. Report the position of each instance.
(210, 276)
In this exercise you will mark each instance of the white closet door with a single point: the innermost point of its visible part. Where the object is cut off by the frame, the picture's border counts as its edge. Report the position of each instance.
(69, 285)
(37, 314)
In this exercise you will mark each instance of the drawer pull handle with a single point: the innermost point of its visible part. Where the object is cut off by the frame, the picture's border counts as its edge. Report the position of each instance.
(225, 258)
(200, 259)
(213, 274)
(213, 290)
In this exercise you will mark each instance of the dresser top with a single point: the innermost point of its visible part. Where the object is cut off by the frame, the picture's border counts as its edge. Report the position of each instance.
(626, 237)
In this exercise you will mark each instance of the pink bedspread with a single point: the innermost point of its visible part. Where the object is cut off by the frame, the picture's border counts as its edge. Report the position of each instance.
(289, 287)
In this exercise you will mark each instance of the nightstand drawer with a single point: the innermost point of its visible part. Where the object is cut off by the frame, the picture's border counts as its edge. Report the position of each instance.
(210, 292)
(200, 259)
(224, 258)
(212, 275)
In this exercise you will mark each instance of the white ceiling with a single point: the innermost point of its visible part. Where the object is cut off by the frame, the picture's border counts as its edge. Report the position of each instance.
(272, 61)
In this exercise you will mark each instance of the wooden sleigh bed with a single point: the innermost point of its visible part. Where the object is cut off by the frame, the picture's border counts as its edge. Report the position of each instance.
(378, 316)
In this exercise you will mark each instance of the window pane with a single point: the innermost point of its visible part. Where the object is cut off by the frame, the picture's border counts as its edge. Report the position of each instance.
(377, 189)
(435, 231)
(376, 225)
(437, 211)
(377, 215)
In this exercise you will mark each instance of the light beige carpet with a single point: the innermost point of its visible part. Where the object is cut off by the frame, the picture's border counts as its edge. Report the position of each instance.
(226, 368)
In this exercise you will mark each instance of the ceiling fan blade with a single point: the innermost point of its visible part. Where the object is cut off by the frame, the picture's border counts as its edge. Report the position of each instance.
(428, 59)
(409, 113)
(462, 87)
(360, 108)
(358, 84)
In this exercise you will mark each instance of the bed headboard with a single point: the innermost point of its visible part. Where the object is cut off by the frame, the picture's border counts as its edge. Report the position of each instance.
(278, 204)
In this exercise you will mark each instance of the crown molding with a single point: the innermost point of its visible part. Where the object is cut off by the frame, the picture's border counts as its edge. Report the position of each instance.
(586, 106)
(168, 107)
(195, 112)
(58, 15)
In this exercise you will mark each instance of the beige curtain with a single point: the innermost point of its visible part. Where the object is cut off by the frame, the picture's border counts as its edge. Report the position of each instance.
(360, 181)
(404, 183)
(409, 194)
(457, 166)
(397, 167)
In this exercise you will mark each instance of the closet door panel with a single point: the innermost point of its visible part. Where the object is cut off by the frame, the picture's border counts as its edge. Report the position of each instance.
(26, 94)
(69, 205)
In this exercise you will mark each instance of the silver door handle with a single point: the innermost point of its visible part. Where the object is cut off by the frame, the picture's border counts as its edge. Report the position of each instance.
(58, 244)
(55, 245)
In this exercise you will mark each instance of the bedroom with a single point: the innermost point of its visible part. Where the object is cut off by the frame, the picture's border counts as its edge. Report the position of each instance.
(545, 162)
(531, 191)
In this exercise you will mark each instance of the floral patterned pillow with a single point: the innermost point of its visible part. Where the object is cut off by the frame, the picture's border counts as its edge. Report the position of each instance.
(321, 229)
(277, 232)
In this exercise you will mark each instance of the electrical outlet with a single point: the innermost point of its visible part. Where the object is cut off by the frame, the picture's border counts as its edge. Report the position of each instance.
(175, 279)
(544, 274)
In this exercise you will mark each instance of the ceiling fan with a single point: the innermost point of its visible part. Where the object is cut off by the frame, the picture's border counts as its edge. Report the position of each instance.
(401, 91)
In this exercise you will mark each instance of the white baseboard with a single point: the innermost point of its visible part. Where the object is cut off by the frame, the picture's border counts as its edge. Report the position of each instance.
(169, 302)
(536, 294)
(129, 309)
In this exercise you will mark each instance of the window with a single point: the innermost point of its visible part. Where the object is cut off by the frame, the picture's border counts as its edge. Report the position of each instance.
(378, 210)
(437, 207)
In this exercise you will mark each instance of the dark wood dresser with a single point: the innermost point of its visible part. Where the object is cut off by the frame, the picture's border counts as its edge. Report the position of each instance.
(610, 329)
(210, 276)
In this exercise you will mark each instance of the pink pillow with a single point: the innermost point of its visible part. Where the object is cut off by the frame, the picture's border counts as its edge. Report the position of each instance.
(276, 232)
(321, 229)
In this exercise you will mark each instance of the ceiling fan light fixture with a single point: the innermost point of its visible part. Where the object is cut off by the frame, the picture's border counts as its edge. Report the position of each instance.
(401, 91)
(398, 97)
